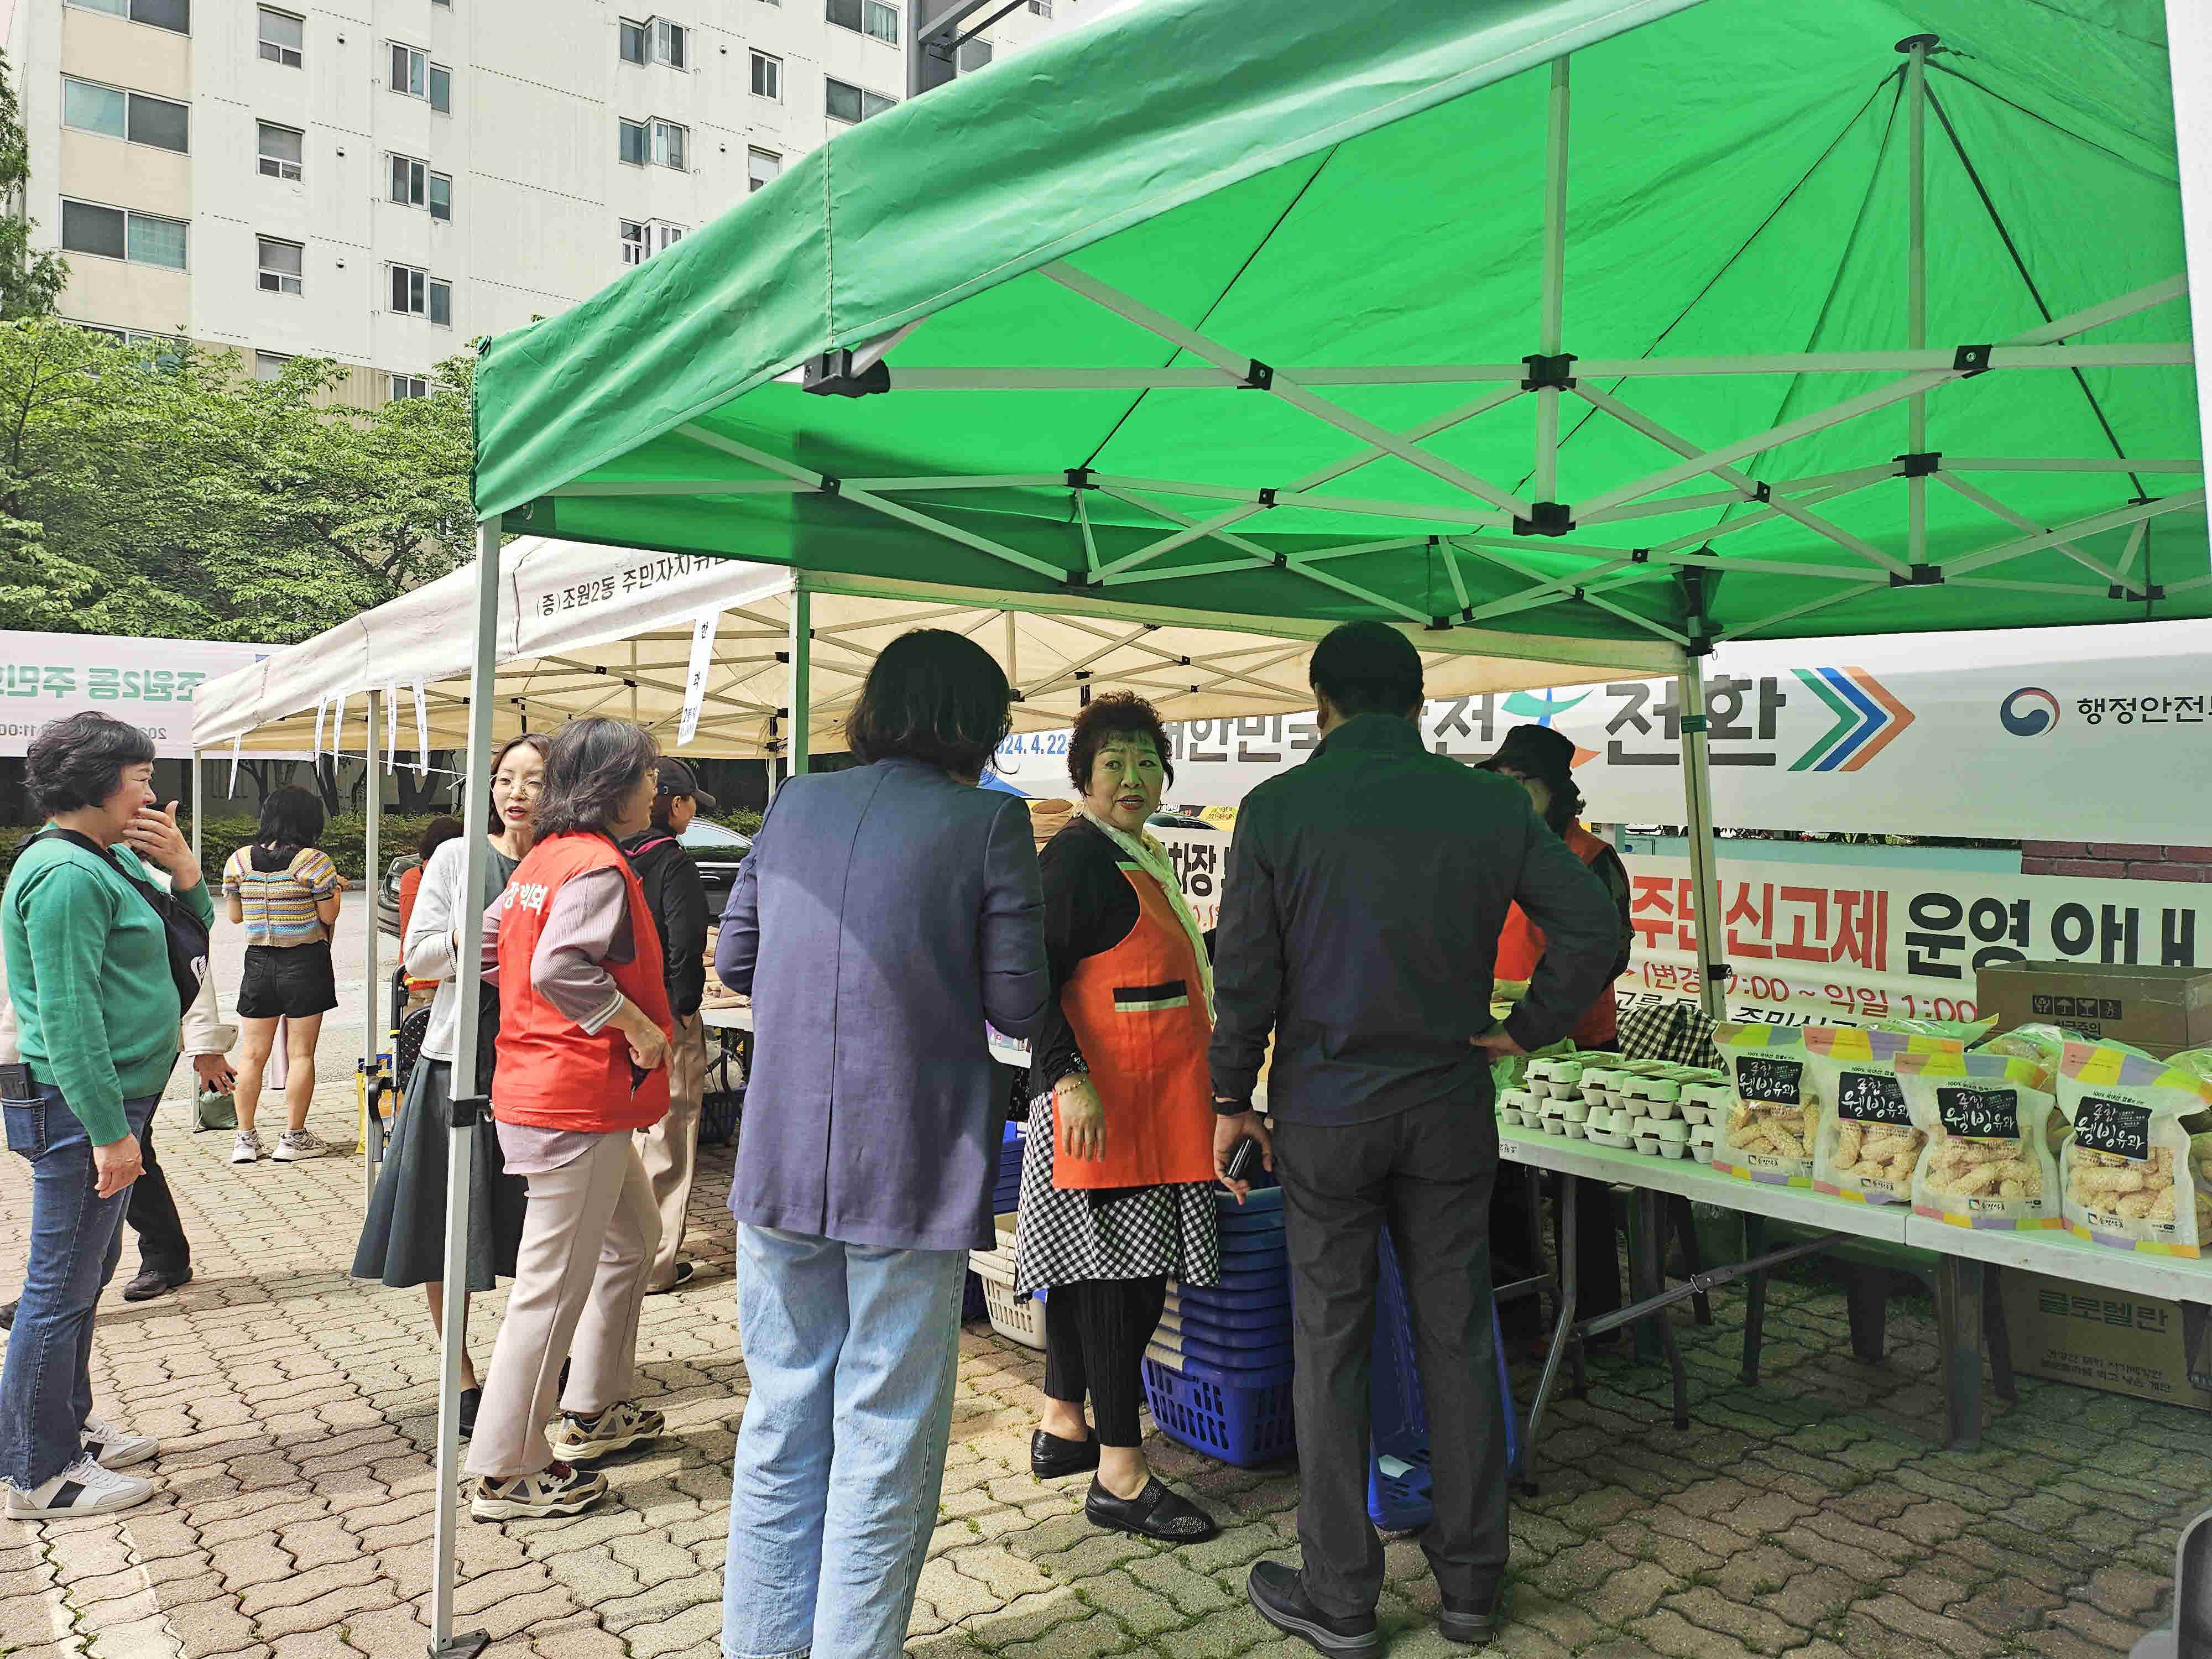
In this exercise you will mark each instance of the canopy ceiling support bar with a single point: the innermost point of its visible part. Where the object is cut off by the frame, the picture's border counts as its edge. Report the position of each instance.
(1713, 532)
(1704, 872)
(1916, 282)
(1090, 541)
(1551, 327)
(1626, 616)
(1775, 619)
(802, 672)
(1996, 508)
(2053, 464)
(2132, 514)
(1568, 587)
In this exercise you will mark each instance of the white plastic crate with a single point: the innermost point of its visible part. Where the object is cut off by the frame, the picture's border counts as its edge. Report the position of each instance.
(1018, 1319)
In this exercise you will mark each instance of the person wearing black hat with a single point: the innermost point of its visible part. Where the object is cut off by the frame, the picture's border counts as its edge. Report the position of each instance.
(678, 899)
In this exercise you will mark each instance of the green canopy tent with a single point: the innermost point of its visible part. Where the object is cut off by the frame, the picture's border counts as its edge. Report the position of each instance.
(1644, 321)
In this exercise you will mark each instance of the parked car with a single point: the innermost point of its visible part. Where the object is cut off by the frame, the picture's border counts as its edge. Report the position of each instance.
(1177, 821)
(388, 893)
(718, 852)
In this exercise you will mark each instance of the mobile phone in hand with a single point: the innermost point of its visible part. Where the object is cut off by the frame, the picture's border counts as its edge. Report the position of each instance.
(1245, 1160)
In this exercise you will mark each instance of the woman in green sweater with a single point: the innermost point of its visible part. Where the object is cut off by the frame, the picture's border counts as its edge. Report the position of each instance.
(87, 963)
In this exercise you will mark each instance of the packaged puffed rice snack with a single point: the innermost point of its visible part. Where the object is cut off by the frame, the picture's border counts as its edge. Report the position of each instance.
(2137, 1167)
(1768, 1134)
(1867, 1146)
(1987, 1162)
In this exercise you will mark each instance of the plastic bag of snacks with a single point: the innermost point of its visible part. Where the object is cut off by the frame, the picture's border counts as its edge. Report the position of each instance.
(1867, 1146)
(2138, 1165)
(1987, 1160)
(1769, 1130)
(1964, 1032)
(2043, 1044)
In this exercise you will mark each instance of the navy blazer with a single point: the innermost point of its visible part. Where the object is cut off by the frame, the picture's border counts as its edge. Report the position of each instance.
(883, 914)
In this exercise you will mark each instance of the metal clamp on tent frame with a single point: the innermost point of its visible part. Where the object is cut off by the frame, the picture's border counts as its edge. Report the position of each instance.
(1922, 464)
(832, 375)
(466, 1111)
(1554, 373)
(1971, 360)
(1544, 519)
(2137, 596)
(1919, 575)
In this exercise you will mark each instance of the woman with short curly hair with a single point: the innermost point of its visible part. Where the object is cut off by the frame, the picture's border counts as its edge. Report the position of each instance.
(1117, 1183)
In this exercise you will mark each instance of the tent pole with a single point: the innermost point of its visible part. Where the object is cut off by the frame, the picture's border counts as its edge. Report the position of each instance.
(1916, 279)
(371, 861)
(802, 675)
(1552, 325)
(460, 1158)
(2189, 47)
(199, 803)
(1704, 875)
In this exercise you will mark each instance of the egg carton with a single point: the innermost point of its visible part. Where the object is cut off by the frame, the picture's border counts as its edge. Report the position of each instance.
(1704, 1137)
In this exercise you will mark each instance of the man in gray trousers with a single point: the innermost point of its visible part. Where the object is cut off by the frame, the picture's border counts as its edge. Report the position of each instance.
(1366, 890)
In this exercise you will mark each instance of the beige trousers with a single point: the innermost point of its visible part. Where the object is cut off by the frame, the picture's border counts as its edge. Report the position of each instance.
(588, 1238)
(670, 1149)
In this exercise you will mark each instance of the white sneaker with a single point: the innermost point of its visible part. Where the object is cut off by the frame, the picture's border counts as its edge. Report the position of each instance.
(82, 1488)
(295, 1144)
(247, 1149)
(116, 1448)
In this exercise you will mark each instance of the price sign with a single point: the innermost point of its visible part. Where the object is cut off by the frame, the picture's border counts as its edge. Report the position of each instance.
(1769, 1080)
(2114, 1127)
(1872, 1097)
(1980, 1114)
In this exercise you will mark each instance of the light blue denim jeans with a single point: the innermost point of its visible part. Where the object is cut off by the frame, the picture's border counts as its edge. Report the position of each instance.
(852, 1351)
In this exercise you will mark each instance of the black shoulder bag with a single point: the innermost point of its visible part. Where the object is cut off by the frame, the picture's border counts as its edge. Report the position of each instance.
(187, 934)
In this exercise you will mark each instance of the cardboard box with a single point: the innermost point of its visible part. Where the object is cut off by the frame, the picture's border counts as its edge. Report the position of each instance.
(2163, 1010)
(2113, 1340)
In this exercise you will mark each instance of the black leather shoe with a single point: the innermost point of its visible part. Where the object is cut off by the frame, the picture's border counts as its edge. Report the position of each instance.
(8, 1317)
(1472, 1624)
(1052, 1458)
(472, 1400)
(1279, 1595)
(1154, 1512)
(156, 1281)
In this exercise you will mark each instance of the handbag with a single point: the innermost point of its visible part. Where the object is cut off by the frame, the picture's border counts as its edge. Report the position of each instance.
(188, 936)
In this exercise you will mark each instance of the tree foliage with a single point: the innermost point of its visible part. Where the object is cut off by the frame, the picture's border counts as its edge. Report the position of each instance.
(29, 283)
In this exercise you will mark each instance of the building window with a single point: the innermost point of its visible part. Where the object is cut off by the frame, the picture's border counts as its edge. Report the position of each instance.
(280, 150)
(973, 55)
(668, 140)
(283, 37)
(1042, 7)
(639, 240)
(173, 14)
(143, 239)
(851, 104)
(90, 107)
(671, 44)
(419, 294)
(441, 196)
(635, 146)
(410, 181)
(633, 41)
(411, 70)
(404, 387)
(270, 365)
(280, 265)
(767, 77)
(870, 17)
(441, 90)
(764, 166)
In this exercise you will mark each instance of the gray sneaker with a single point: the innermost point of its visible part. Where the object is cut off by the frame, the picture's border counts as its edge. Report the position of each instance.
(247, 1148)
(295, 1144)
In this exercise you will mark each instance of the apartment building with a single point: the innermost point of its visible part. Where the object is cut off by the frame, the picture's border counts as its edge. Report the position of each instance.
(380, 181)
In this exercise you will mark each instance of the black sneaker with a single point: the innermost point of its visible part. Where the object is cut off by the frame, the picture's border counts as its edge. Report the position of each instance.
(156, 1281)
(8, 1317)
(1279, 1595)
(1472, 1624)
(1154, 1512)
(1052, 1458)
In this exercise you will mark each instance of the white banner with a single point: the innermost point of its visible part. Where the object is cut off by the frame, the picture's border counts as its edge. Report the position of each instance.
(694, 681)
(2063, 734)
(148, 682)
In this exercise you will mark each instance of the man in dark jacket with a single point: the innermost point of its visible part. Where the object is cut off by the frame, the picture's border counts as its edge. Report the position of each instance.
(1366, 892)
(678, 899)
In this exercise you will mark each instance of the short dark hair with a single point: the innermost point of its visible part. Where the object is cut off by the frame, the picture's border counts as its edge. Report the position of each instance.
(436, 833)
(591, 765)
(934, 696)
(1367, 668)
(291, 816)
(78, 761)
(1116, 715)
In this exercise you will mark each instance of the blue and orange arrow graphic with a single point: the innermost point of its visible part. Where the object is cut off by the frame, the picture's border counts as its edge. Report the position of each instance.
(1867, 719)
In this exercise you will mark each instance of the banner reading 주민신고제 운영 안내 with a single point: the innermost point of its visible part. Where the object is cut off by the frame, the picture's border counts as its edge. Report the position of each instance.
(148, 682)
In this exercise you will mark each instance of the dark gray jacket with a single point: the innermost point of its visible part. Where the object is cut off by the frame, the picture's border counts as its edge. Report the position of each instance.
(883, 915)
(1366, 890)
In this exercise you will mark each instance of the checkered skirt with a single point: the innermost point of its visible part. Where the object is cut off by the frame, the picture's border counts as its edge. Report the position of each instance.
(1064, 1237)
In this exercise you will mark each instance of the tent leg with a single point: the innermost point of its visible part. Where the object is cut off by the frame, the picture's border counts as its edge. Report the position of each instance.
(1551, 328)
(476, 815)
(802, 676)
(197, 791)
(1916, 279)
(1705, 876)
(372, 872)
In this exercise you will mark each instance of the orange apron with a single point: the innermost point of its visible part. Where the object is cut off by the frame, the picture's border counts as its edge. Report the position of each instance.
(1521, 947)
(1138, 1011)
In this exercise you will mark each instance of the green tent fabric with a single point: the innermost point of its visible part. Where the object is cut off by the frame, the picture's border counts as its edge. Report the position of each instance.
(1305, 198)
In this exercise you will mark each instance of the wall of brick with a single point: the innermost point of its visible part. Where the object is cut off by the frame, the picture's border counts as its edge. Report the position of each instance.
(2115, 860)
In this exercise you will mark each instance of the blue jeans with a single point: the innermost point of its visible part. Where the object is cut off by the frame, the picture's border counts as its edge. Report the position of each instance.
(852, 1351)
(46, 1394)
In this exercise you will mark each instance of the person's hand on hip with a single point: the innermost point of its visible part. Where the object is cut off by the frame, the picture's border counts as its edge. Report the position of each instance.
(1497, 1044)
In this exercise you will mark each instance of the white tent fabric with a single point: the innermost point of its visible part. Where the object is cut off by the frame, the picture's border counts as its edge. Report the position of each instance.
(589, 629)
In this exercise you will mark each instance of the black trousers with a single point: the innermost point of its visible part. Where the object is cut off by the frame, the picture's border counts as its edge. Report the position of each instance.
(1428, 1173)
(1094, 1333)
(152, 1213)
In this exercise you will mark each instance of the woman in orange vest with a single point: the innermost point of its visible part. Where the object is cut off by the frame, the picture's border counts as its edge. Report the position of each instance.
(1117, 1183)
(583, 1047)
(1543, 760)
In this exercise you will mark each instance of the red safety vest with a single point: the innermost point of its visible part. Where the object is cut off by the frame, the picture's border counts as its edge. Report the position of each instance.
(552, 1073)
(1138, 1011)
(1521, 947)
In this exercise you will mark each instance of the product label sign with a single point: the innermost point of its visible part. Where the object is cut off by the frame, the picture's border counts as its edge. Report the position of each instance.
(1980, 1114)
(1872, 1097)
(2084, 1007)
(2116, 1127)
(1769, 1080)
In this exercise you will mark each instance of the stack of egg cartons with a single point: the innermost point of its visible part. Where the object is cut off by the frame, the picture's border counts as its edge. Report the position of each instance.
(1655, 1107)
(1217, 1371)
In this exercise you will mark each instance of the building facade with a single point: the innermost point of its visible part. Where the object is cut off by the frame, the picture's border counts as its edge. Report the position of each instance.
(380, 181)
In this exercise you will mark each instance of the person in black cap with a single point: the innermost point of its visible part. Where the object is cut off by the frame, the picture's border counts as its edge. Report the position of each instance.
(1367, 888)
(678, 899)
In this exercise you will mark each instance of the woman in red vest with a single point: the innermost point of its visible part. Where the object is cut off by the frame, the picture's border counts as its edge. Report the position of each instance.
(1543, 760)
(583, 1046)
(1117, 1183)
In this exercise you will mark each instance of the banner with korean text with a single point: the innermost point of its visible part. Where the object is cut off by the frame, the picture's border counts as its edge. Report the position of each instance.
(148, 682)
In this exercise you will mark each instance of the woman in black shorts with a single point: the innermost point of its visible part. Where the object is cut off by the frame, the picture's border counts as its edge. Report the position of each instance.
(285, 890)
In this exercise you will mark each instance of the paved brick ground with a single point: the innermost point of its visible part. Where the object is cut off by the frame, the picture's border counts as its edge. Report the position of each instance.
(1812, 1516)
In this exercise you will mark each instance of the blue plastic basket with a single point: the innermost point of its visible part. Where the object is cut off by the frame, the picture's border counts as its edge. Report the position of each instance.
(1248, 1250)
(1267, 1325)
(1234, 1374)
(1273, 1276)
(1245, 1427)
(1229, 1316)
(1230, 1349)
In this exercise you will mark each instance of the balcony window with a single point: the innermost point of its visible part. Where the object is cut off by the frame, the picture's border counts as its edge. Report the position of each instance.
(133, 116)
(404, 387)
(851, 104)
(111, 232)
(281, 263)
(410, 181)
(270, 365)
(872, 18)
(280, 150)
(419, 294)
(768, 77)
(172, 15)
(441, 196)
(762, 165)
(283, 38)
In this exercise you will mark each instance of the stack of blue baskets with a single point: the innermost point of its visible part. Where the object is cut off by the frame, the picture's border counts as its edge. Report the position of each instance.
(1006, 1199)
(1217, 1374)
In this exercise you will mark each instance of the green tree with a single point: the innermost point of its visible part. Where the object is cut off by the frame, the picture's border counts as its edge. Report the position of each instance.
(29, 283)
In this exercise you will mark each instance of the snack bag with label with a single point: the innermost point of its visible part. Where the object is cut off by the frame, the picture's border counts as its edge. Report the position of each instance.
(2137, 1167)
(1769, 1131)
(1987, 1160)
(1868, 1146)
